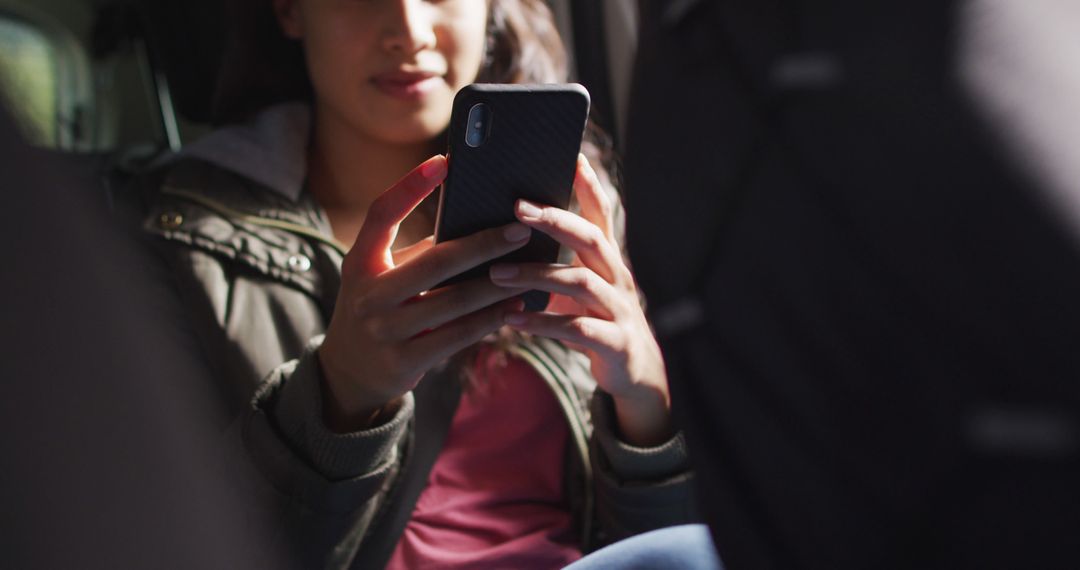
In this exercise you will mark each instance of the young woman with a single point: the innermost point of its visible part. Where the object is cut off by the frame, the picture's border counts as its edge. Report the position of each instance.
(394, 424)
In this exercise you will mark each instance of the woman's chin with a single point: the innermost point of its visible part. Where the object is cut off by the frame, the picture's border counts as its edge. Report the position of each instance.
(411, 132)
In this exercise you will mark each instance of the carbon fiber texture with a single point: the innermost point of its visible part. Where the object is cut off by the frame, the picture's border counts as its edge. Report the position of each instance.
(531, 152)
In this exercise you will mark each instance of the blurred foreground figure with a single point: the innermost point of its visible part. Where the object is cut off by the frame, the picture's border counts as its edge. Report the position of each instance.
(109, 458)
(856, 229)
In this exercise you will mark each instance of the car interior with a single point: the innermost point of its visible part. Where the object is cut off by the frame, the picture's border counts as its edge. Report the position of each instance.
(869, 225)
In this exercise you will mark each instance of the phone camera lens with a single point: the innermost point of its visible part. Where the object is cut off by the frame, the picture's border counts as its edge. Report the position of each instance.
(478, 125)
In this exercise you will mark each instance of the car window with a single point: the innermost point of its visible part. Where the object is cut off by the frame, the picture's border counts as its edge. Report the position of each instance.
(28, 78)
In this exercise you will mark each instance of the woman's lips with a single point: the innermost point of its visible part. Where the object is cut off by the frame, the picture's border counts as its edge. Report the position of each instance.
(406, 84)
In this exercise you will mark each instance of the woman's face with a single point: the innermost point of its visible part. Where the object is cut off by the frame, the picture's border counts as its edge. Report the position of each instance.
(388, 69)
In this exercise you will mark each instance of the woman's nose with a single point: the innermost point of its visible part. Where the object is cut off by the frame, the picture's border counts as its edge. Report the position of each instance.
(409, 27)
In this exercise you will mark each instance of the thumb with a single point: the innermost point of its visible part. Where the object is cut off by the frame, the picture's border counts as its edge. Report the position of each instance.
(406, 253)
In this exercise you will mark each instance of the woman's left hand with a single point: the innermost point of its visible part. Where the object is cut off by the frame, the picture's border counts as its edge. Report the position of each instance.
(594, 308)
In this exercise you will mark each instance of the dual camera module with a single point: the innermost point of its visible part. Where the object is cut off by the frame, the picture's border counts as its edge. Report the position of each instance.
(478, 128)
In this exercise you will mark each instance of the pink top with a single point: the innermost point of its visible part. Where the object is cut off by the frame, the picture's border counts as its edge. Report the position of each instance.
(495, 495)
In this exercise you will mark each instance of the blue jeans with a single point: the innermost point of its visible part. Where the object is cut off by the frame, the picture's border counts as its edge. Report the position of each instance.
(686, 547)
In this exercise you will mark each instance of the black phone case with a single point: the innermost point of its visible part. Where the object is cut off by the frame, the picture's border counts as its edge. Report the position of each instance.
(531, 153)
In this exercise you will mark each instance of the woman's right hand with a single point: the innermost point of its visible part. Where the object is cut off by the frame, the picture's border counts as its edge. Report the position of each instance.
(386, 332)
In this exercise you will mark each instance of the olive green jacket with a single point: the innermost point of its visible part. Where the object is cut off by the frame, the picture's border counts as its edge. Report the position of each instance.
(258, 275)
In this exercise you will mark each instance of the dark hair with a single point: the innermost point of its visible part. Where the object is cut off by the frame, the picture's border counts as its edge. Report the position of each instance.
(524, 46)
(260, 66)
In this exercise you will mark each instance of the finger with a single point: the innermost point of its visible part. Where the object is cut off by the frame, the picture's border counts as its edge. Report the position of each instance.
(445, 341)
(577, 347)
(443, 305)
(599, 335)
(578, 234)
(370, 253)
(593, 199)
(578, 283)
(408, 252)
(447, 259)
(563, 305)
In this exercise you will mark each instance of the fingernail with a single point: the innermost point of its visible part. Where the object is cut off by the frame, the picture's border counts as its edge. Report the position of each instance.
(504, 271)
(514, 319)
(527, 210)
(433, 168)
(517, 232)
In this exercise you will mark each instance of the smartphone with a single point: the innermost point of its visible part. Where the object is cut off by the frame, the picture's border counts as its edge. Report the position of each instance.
(508, 142)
